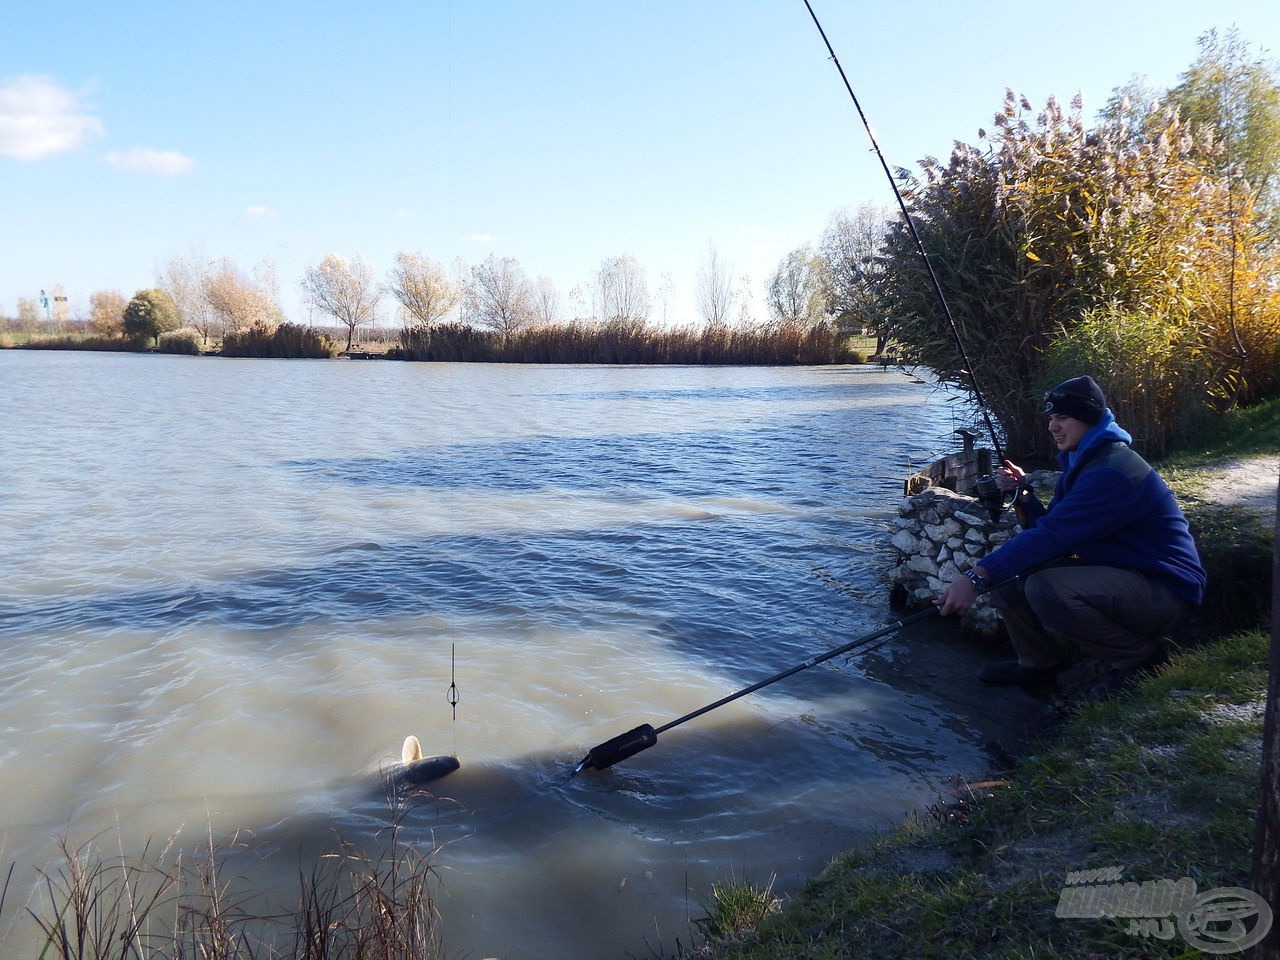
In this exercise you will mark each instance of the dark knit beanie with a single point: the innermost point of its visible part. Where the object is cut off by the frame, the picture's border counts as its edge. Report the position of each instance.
(1079, 397)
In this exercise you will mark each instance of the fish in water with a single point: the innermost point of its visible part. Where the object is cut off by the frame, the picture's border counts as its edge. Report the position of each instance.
(415, 769)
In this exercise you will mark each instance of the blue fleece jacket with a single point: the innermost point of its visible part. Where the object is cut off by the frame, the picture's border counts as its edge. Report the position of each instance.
(1110, 508)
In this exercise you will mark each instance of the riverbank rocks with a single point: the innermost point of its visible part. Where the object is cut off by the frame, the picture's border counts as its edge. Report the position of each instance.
(940, 534)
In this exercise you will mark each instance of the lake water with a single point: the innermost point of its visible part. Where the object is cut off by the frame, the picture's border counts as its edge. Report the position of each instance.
(230, 588)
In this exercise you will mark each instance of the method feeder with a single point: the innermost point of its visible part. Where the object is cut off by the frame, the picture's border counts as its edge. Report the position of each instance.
(646, 735)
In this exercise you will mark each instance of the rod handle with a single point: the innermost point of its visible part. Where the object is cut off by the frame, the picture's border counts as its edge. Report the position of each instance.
(619, 748)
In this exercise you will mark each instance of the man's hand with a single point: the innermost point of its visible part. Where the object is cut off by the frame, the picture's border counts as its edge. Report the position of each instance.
(1010, 477)
(957, 597)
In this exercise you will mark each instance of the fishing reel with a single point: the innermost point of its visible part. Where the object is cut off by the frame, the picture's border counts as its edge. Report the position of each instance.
(989, 493)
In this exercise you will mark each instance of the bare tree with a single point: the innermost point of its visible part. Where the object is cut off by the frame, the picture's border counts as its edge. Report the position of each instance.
(578, 301)
(743, 298)
(621, 291)
(423, 288)
(345, 290)
(851, 250)
(28, 314)
(499, 296)
(798, 287)
(715, 288)
(182, 278)
(236, 301)
(546, 301)
(665, 291)
(106, 312)
(266, 274)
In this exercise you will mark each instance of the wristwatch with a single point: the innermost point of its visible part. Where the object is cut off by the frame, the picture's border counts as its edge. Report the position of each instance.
(977, 579)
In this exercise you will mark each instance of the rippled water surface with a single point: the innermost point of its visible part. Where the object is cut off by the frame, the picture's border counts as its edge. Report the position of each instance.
(230, 588)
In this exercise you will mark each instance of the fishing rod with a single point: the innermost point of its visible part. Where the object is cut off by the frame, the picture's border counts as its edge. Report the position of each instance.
(640, 738)
(915, 236)
(645, 736)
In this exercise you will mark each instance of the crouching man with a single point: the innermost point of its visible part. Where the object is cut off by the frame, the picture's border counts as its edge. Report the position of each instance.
(1109, 567)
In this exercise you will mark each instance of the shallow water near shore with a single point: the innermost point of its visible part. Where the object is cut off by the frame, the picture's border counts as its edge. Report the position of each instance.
(231, 587)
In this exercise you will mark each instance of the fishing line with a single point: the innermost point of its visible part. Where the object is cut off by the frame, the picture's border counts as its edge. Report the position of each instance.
(452, 696)
(453, 680)
(915, 236)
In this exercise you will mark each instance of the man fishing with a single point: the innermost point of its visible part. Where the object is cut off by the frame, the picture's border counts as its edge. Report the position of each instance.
(1109, 567)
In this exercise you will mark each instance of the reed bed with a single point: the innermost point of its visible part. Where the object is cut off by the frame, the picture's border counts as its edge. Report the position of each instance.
(72, 341)
(287, 340)
(160, 905)
(631, 342)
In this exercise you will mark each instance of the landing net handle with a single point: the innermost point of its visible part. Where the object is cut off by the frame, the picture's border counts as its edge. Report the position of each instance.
(645, 736)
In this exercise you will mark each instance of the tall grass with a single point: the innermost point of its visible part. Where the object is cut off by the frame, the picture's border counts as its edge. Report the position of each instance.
(631, 342)
(71, 341)
(159, 905)
(289, 340)
(735, 909)
(1154, 373)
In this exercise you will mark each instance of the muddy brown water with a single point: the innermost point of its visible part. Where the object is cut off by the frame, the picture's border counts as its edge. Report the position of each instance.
(232, 587)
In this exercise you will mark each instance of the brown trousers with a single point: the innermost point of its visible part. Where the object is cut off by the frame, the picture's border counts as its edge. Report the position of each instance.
(1115, 615)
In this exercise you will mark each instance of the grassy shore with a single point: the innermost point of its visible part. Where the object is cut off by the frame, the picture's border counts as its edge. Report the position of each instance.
(1159, 783)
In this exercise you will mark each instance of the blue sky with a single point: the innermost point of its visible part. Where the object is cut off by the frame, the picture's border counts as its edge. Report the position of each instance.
(558, 133)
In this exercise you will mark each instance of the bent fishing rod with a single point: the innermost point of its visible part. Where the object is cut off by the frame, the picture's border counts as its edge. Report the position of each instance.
(645, 736)
(915, 236)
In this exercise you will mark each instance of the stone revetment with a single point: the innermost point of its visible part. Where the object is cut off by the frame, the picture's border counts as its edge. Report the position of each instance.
(943, 529)
(940, 534)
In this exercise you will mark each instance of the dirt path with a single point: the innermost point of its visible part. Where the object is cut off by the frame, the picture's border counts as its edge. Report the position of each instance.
(1250, 483)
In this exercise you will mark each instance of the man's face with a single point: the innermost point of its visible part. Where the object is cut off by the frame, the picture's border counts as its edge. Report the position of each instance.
(1066, 431)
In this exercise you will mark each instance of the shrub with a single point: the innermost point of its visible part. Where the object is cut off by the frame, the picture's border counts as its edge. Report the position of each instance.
(185, 340)
(289, 340)
(1049, 220)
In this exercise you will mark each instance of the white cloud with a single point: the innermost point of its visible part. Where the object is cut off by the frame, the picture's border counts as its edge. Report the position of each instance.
(481, 238)
(39, 118)
(257, 212)
(163, 163)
